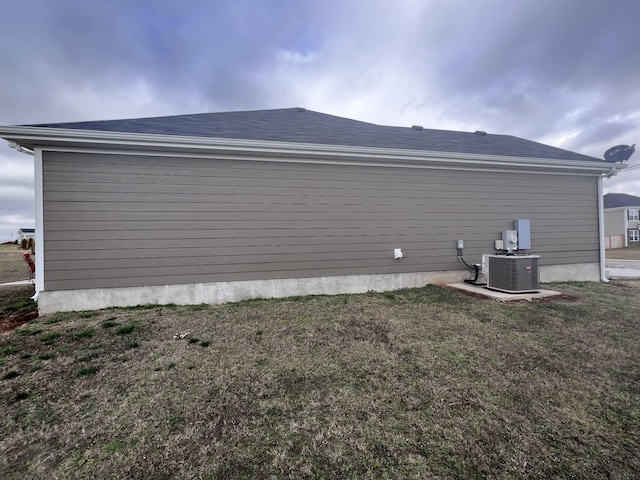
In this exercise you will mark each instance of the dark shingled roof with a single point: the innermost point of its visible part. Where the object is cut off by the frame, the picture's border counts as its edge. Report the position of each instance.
(299, 125)
(616, 200)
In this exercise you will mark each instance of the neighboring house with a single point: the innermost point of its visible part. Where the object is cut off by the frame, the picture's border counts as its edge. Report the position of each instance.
(228, 206)
(621, 220)
(26, 234)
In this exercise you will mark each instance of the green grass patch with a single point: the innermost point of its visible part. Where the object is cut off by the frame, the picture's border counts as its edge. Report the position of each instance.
(26, 304)
(109, 322)
(9, 350)
(115, 446)
(88, 371)
(11, 375)
(21, 396)
(49, 338)
(86, 332)
(126, 329)
(24, 331)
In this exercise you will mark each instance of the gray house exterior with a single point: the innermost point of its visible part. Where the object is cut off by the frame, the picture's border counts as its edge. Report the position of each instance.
(211, 208)
(622, 220)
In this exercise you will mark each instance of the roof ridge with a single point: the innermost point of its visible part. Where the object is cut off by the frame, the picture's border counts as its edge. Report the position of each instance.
(128, 119)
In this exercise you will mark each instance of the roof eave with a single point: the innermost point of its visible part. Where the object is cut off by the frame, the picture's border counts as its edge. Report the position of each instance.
(32, 137)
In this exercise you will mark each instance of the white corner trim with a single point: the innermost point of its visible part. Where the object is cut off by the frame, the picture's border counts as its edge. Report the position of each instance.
(37, 162)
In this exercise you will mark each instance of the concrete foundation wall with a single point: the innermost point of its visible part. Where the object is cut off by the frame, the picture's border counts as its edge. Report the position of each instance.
(576, 272)
(223, 292)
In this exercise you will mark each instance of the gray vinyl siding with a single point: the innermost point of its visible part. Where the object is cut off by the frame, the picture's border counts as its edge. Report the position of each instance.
(125, 220)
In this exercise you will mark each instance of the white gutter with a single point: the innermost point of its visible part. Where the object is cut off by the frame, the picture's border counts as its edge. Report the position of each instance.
(20, 148)
(281, 151)
(603, 259)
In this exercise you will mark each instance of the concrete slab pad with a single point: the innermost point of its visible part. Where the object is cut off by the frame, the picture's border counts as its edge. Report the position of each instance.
(502, 296)
(18, 283)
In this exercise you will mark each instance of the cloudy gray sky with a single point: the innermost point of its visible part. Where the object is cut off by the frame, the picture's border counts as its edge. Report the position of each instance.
(562, 72)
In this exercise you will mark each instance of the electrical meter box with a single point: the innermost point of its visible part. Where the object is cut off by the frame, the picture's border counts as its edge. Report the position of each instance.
(514, 273)
(510, 240)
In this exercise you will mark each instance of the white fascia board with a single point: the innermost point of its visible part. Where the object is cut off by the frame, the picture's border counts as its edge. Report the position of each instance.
(56, 137)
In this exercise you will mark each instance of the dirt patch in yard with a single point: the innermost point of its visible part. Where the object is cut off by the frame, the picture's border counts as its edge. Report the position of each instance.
(17, 319)
(16, 307)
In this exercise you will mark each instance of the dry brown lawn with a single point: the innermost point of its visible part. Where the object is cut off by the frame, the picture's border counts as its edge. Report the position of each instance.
(12, 265)
(632, 253)
(418, 383)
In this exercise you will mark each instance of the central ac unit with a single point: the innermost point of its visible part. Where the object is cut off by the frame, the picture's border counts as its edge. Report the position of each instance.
(514, 273)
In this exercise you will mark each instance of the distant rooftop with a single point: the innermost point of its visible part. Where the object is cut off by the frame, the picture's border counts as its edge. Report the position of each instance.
(298, 125)
(617, 200)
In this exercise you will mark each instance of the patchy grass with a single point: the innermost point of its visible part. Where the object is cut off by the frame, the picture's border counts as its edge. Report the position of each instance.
(126, 329)
(16, 306)
(631, 253)
(423, 383)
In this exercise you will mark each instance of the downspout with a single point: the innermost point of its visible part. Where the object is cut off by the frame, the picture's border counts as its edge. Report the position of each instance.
(603, 259)
(625, 215)
(603, 276)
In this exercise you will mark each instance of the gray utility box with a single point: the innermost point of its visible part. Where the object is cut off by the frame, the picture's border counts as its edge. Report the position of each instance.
(514, 273)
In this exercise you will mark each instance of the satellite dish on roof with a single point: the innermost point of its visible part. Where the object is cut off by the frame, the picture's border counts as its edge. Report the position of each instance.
(619, 153)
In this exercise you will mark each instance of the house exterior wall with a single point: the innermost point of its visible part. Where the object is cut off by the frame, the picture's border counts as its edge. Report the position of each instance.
(116, 220)
(618, 223)
(632, 224)
(614, 221)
